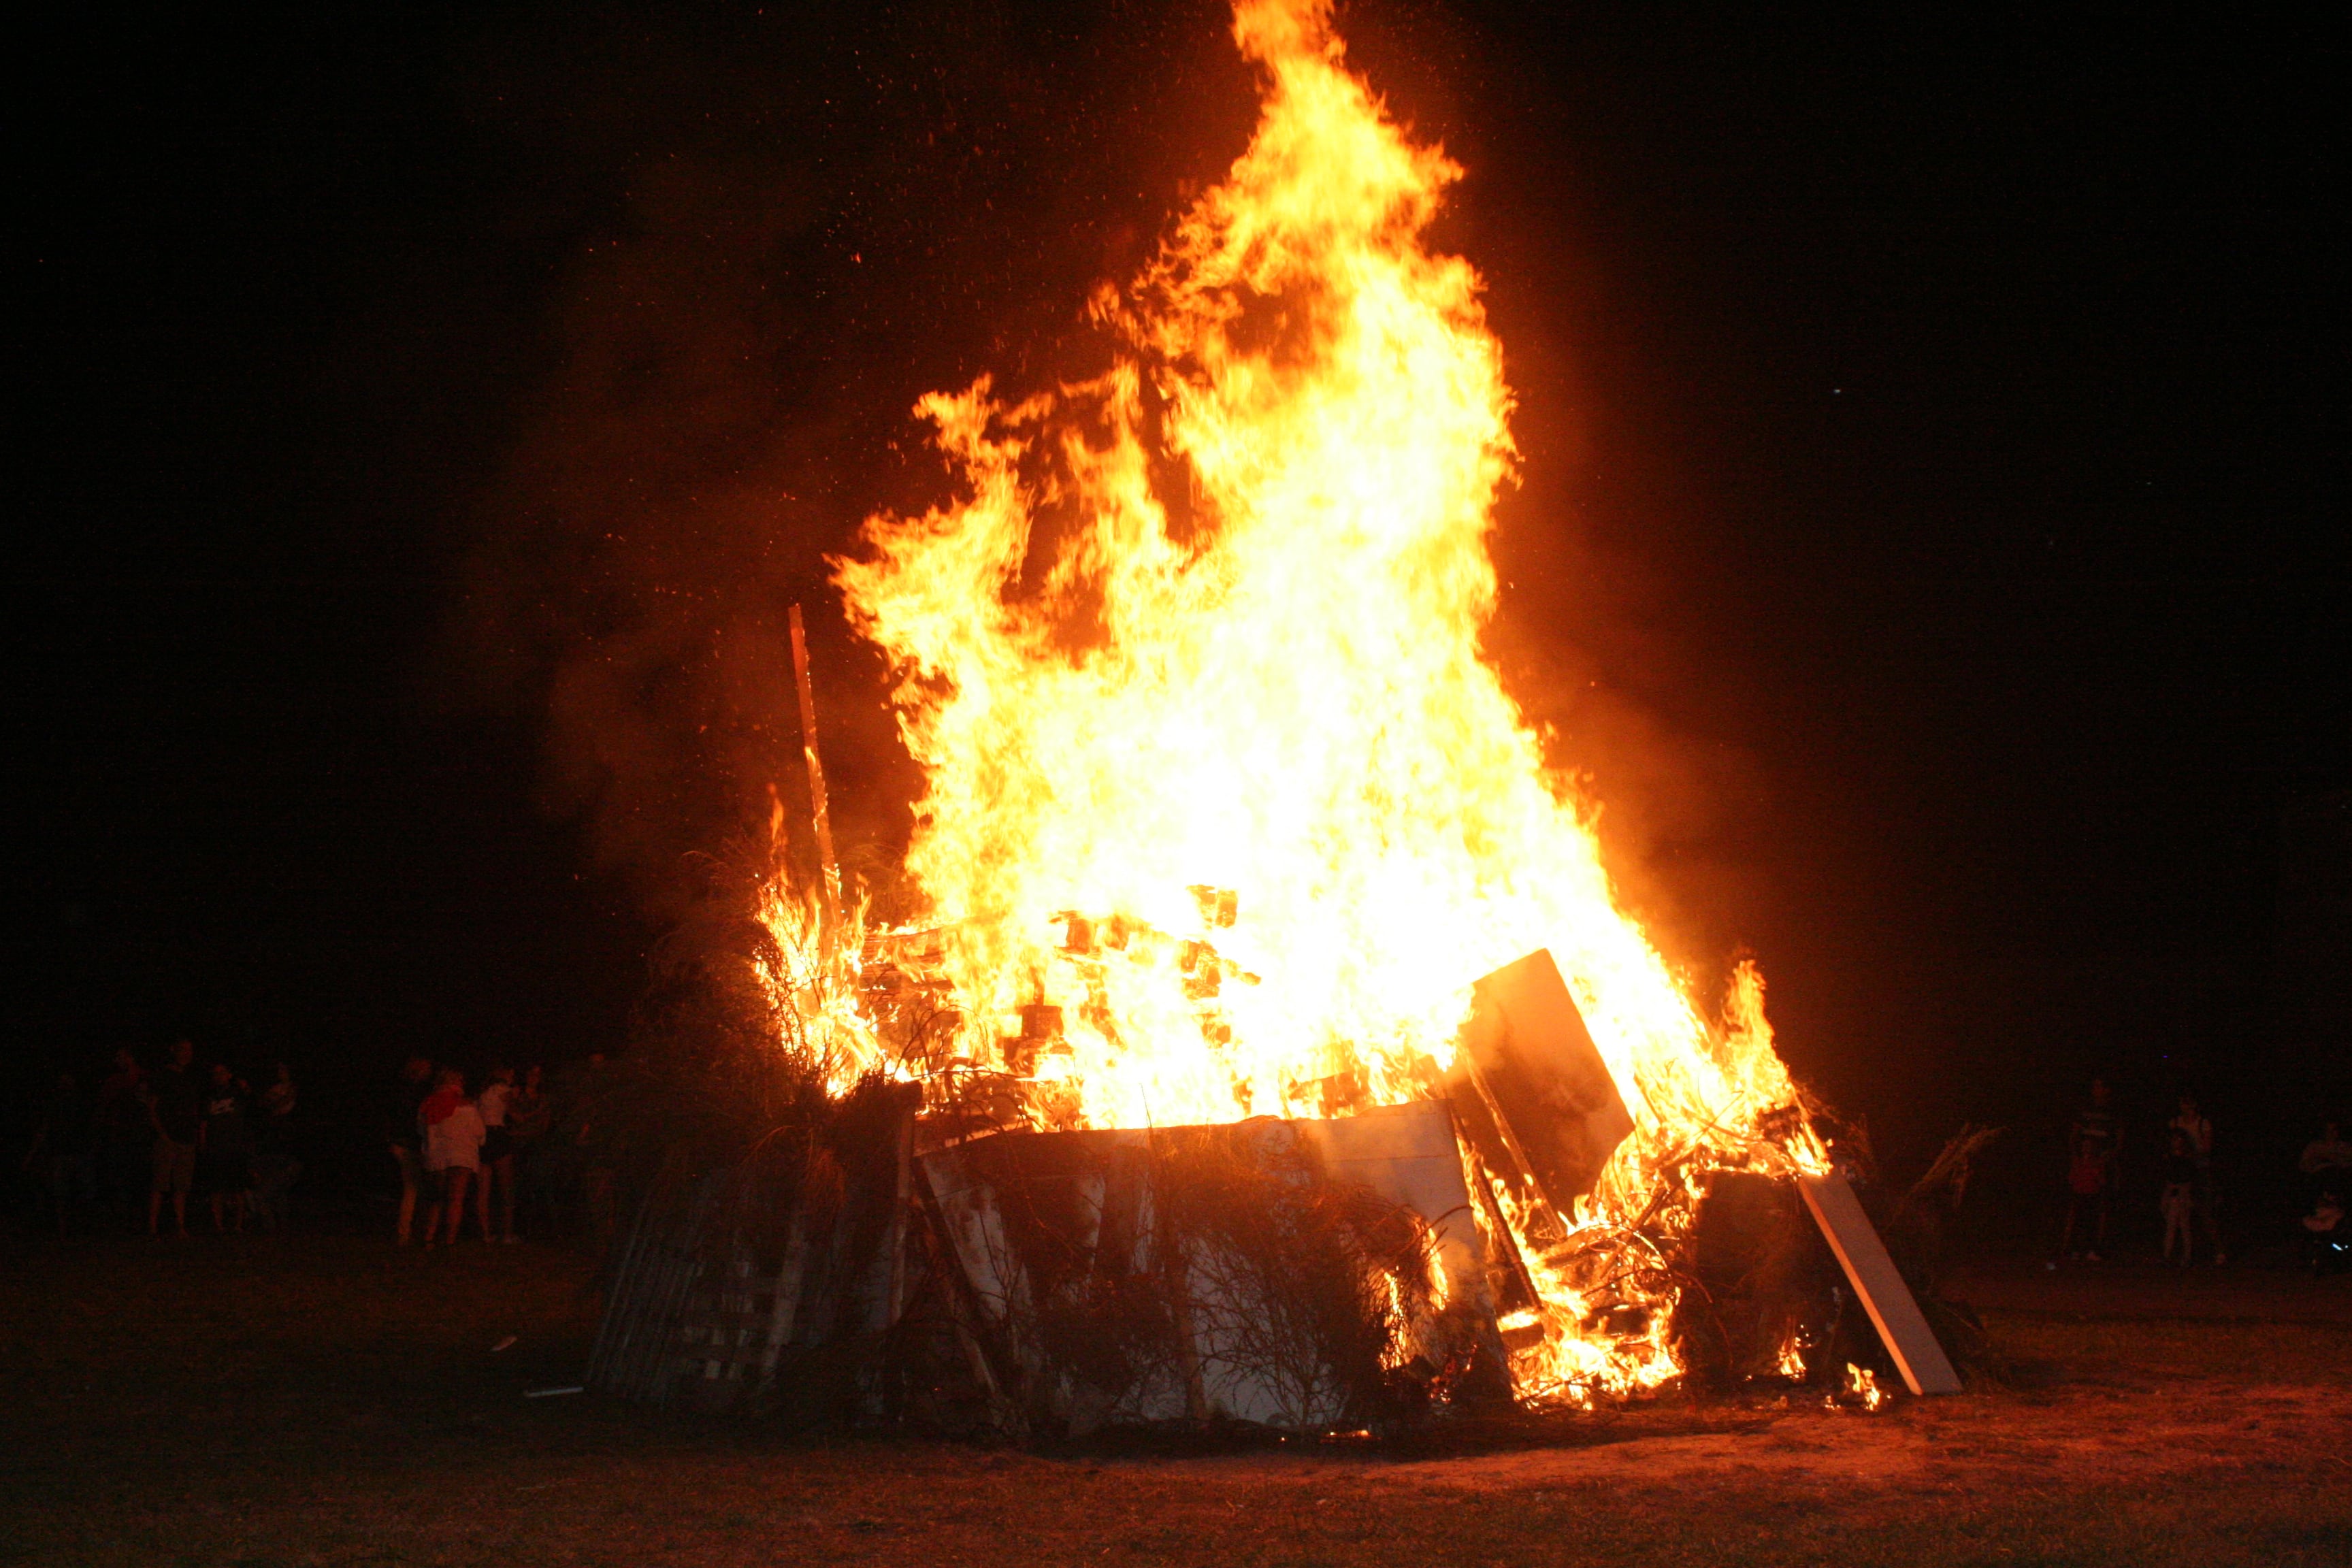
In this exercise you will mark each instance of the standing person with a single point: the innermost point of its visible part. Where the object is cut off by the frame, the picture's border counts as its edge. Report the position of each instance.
(452, 1131)
(528, 1114)
(2326, 1161)
(60, 1151)
(279, 1100)
(275, 1166)
(2092, 1143)
(401, 1135)
(175, 1113)
(2178, 1205)
(2192, 1125)
(494, 1104)
(224, 1149)
(123, 1135)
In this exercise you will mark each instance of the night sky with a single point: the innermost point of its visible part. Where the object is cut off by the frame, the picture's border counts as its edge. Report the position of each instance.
(1930, 539)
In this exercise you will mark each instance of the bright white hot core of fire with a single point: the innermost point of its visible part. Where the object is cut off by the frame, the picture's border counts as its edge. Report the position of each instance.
(1215, 765)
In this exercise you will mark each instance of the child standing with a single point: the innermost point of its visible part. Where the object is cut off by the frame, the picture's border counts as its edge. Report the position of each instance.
(2179, 1201)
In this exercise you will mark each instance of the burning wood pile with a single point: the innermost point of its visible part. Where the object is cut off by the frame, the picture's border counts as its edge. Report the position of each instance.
(1179, 1096)
(962, 1268)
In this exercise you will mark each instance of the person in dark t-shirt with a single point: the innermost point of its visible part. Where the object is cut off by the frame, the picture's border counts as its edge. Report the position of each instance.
(175, 1108)
(2092, 1143)
(125, 1136)
(224, 1149)
(402, 1133)
(2178, 1202)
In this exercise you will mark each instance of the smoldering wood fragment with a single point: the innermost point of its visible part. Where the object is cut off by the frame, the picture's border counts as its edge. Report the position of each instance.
(1531, 1088)
(1766, 1280)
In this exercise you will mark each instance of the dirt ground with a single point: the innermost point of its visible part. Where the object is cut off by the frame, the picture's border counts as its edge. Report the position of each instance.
(325, 1400)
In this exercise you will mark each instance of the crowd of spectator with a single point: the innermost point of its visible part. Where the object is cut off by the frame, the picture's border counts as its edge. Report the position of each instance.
(169, 1134)
(2189, 1200)
(136, 1149)
(448, 1144)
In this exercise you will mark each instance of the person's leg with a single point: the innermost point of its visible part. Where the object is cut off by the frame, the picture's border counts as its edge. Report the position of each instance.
(506, 1193)
(482, 1200)
(406, 1158)
(2208, 1210)
(156, 1186)
(457, 1176)
(182, 1158)
(277, 1193)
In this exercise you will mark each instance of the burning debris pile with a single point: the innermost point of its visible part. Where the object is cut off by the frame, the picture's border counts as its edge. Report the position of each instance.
(1202, 1106)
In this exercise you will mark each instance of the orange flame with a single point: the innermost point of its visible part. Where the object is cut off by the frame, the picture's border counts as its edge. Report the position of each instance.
(1225, 807)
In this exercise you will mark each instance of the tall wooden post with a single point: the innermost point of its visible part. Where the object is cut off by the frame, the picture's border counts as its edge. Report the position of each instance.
(832, 932)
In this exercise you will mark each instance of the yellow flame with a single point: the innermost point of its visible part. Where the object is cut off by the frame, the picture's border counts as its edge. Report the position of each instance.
(813, 986)
(1225, 807)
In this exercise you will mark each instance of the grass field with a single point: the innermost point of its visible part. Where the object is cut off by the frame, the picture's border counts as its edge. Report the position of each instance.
(329, 1400)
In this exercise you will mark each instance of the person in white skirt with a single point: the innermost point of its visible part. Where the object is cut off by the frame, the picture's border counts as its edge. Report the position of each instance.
(451, 1131)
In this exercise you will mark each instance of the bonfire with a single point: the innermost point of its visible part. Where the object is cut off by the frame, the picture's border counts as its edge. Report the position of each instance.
(1260, 1038)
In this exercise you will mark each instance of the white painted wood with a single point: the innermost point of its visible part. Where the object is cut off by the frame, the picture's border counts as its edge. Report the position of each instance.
(1871, 1273)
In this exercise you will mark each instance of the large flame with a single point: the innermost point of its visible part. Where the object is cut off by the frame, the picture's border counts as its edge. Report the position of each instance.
(1225, 807)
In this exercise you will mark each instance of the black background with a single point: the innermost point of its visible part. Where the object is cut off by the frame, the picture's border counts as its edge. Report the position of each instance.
(1929, 539)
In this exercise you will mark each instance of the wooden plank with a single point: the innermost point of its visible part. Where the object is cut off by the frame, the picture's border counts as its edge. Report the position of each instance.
(832, 868)
(1888, 1300)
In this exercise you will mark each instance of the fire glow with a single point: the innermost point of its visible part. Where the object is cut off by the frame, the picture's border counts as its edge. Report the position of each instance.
(1225, 808)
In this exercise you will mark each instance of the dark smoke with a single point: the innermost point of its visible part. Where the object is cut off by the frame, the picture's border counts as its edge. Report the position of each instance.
(765, 237)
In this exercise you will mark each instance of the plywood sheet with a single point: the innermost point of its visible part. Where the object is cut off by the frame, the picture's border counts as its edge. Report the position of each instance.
(1094, 1192)
(1408, 1156)
(1871, 1273)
